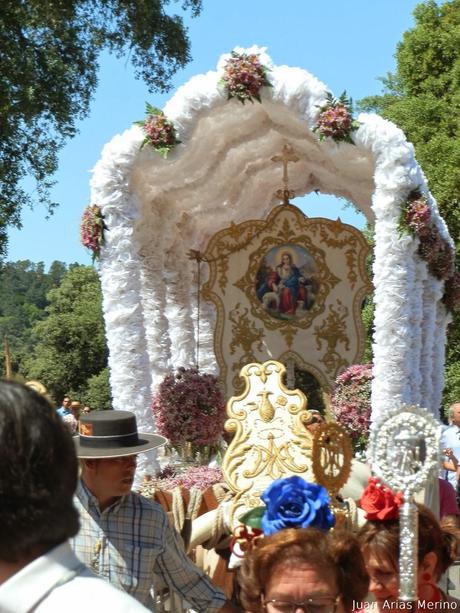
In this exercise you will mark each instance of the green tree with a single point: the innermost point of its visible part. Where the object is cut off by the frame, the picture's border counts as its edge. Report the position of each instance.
(49, 55)
(423, 98)
(70, 344)
(23, 289)
(97, 393)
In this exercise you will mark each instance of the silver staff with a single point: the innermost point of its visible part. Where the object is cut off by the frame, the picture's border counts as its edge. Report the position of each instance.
(404, 453)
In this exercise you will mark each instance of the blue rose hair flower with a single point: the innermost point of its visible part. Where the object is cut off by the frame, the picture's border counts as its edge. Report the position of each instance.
(295, 503)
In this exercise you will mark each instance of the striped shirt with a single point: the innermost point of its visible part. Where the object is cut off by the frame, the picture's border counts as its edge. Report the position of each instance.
(132, 545)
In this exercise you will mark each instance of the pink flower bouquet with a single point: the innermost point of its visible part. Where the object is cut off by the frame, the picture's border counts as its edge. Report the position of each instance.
(92, 228)
(160, 133)
(351, 403)
(244, 76)
(336, 119)
(189, 407)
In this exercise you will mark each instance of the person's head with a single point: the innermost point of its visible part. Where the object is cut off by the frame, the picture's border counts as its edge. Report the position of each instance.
(379, 540)
(314, 422)
(286, 258)
(108, 444)
(454, 414)
(38, 475)
(109, 478)
(66, 402)
(75, 408)
(295, 565)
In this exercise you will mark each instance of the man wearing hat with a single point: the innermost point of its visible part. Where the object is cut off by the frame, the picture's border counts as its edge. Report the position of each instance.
(125, 537)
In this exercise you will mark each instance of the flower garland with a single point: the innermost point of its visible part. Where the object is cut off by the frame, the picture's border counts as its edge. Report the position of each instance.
(336, 119)
(416, 219)
(351, 403)
(92, 229)
(244, 76)
(160, 133)
(189, 407)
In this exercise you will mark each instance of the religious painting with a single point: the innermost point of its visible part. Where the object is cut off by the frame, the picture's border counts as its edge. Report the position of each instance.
(286, 282)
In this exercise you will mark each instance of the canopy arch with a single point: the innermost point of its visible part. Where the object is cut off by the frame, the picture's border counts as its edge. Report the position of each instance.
(156, 209)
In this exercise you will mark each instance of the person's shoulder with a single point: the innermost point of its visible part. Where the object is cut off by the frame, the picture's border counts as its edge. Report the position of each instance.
(147, 505)
(89, 591)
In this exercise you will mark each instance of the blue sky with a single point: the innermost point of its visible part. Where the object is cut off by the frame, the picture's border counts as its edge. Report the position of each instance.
(347, 45)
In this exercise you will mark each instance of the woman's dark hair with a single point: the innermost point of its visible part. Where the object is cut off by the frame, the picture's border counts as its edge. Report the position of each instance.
(38, 474)
(441, 537)
(337, 551)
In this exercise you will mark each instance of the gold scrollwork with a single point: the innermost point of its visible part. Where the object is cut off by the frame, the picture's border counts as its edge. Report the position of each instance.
(245, 334)
(328, 232)
(333, 331)
(274, 460)
(236, 256)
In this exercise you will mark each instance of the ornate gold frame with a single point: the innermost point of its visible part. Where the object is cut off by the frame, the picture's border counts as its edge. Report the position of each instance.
(327, 322)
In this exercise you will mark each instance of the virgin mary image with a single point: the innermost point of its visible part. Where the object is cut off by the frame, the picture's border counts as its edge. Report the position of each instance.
(285, 290)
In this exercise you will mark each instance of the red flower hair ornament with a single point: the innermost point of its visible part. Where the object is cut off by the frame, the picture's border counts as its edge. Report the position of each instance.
(380, 502)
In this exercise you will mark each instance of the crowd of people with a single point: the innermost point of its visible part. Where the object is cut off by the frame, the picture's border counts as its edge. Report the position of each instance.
(70, 412)
(75, 537)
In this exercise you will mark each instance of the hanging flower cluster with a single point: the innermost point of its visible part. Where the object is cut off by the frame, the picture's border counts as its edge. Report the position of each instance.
(92, 228)
(189, 407)
(433, 248)
(336, 119)
(244, 76)
(351, 403)
(160, 133)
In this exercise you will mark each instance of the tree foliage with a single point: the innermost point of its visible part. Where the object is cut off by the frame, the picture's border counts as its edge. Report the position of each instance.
(423, 98)
(70, 347)
(23, 290)
(49, 54)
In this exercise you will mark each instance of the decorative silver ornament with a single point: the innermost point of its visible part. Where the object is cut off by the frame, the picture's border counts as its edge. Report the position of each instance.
(404, 452)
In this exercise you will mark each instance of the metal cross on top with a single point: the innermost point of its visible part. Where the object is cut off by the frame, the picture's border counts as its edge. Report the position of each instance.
(287, 156)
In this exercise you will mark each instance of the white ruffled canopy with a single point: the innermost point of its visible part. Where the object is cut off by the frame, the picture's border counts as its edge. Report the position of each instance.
(157, 209)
